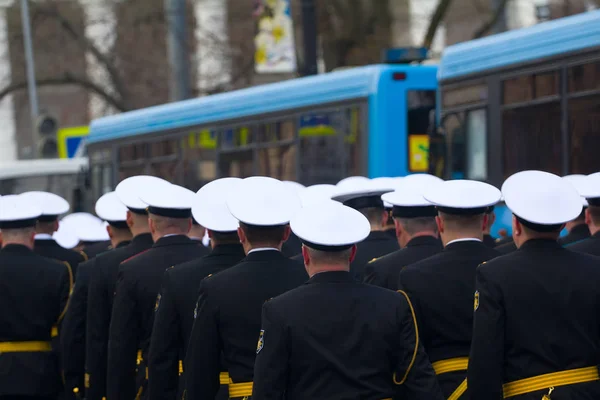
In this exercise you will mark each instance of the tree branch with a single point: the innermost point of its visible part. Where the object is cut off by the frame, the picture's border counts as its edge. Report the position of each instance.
(485, 28)
(436, 19)
(68, 79)
(87, 45)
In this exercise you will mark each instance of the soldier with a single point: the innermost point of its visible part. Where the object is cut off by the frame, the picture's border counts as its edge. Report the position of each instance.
(577, 230)
(488, 239)
(52, 207)
(329, 339)
(175, 315)
(103, 278)
(441, 287)
(365, 197)
(109, 208)
(591, 191)
(197, 232)
(227, 315)
(136, 295)
(416, 233)
(537, 313)
(34, 292)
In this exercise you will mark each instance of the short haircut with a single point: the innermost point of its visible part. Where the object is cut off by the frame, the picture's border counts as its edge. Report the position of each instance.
(457, 222)
(330, 257)
(412, 226)
(595, 214)
(263, 234)
(45, 226)
(532, 232)
(225, 237)
(17, 235)
(373, 214)
(581, 217)
(163, 223)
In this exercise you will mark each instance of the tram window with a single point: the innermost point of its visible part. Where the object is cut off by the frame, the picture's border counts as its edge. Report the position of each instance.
(275, 132)
(464, 95)
(353, 137)
(166, 170)
(454, 130)
(129, 171)
(584, 77)
(231, 138)
(476, 143)
(546, 84)
(584, 130)
(199, 158)
(532, 138)
(278, 162)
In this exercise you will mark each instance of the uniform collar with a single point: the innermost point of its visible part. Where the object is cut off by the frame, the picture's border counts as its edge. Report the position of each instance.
(540, 244)
(262, 249)
(232, 248)
(581, 229)
(170, 240)
(43, 236)
(16, 249)
(423, 241)
(464, 244)
(378, 235)
(267, 255)
(142, 238)
(331, 277)
(46, 242)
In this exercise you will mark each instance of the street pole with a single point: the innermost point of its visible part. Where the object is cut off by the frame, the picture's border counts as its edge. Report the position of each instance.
(179, 85)
(500, 25)
(30, 64)
(309, 27)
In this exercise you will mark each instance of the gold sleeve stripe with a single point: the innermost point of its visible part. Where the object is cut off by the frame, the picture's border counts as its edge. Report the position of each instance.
(64, 311)
(414, 317)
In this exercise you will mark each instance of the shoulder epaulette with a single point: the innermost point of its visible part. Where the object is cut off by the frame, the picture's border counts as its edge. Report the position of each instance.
(373, 260)
(134, 256)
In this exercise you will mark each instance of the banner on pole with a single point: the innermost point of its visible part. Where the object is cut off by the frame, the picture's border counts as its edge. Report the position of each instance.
(274, 47)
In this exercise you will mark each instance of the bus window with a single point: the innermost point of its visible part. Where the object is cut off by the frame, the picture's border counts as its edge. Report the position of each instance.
(420, 124)
(584, 130)
(199, 158)
(239, 164)
(532, 138)
(279, 159)
(476, 142)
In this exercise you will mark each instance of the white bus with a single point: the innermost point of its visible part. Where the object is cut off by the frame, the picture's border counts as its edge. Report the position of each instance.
(65, 177)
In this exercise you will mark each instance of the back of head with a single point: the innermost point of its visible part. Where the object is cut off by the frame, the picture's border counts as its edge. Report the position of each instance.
(18, 216)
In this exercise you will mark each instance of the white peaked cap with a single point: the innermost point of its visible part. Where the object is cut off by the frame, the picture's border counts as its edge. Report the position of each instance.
(330, 226)
(163, 195)
(541, 198)
(17, 211)
(210, 205)
(591, 187)
(71, 221)
(422, 179)
(462, 194)
(51, 204)
(263, 201)
(351, 180)
(110, 208)
(295, 185)
(316, 194)
(128, 190)
(65, 238)
(387, 183)
(407, 194)
(92, 232)
(579, 182)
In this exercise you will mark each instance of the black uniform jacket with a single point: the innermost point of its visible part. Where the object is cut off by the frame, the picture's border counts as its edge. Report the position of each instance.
(292, 246)
(49, 248)
(377, 244)
(34, 291)
(136, 297)
(103, 278)
(590, 245)
(228, 319)
(441, 288)
(385, 270)
(506, 248)
(336, 338)
(174, 317)
(490, 241)
(578, 233)
(92, 250)
(537, 312)
(73, 329)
